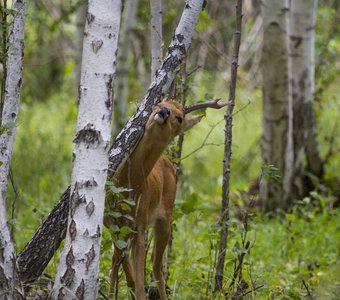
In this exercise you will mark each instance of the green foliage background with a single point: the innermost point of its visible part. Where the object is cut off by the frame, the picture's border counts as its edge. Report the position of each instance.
(301, 245)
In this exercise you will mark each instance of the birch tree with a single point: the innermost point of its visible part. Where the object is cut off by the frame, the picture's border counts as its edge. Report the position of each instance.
(124, 49)
(277, 144)
(34, 257)
(156, 35)
(10, 285)
(302, 39)
(78, 269)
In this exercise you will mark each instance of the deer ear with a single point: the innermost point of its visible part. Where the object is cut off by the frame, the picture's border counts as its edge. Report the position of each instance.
(190, 121)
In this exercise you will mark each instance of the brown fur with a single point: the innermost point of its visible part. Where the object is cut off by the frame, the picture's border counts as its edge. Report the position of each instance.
(151, 178)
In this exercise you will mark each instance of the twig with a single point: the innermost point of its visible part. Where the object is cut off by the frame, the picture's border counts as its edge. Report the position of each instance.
(103, 295)
(194, 70)
(252, 290)
(307, 289)
(16, 196)
(204, 143)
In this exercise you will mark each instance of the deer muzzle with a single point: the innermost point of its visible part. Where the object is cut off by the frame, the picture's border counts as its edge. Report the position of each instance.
(162, 115)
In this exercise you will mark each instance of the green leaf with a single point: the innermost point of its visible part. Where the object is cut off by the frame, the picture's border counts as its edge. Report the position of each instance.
(125, 230)
(131, 202)
(125, 207)
(114, 214)
(128, 217)
(114, 228)
(120, 244)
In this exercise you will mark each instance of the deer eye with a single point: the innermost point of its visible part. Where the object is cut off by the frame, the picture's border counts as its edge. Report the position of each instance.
(179, 119)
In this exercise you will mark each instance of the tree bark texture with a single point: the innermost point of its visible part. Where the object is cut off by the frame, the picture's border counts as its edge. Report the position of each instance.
(156, 36)
(78, 268)
(10, 285)
(227, 151)
(34, 258)
(302, 40)
(277, 148)
(127, 140)
(12, 88)
(123, 64)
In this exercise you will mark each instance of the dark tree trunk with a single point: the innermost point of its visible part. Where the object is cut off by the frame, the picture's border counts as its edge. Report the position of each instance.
(34, 258)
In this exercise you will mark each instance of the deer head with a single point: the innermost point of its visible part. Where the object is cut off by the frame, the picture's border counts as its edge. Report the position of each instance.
(168, 119)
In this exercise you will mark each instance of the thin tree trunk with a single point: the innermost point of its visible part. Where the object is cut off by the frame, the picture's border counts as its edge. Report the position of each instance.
(123, 146)
(302, 38)
(277, 148)
(227, 151)
(10, 285)
(123, 64)
(78, 267)
(156, 36)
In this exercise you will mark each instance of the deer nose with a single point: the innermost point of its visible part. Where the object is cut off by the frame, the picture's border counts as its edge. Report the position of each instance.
(164, 113)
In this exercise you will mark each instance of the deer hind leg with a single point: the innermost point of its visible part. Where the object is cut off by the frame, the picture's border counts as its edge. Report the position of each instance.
(162, 229)
(119, 258)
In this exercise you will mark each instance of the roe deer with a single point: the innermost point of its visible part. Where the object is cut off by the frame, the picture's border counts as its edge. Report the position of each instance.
(150, 179)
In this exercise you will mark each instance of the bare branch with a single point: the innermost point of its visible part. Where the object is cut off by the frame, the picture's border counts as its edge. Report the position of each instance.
(211, 104)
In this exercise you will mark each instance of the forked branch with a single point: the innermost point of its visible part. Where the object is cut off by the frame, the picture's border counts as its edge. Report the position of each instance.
(211, 104)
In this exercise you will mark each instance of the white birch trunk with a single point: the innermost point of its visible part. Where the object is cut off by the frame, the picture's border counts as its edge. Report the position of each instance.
(10, 285)
(303, 14)
(302, 56)
(78, 269)
(277, 104)
(156, 36)
(124, 49)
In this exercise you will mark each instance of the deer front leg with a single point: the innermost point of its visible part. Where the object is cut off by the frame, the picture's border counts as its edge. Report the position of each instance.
(162, 229)
(119, 258)
(138, 256)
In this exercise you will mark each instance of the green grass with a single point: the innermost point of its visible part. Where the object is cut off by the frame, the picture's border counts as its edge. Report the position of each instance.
(302, 245)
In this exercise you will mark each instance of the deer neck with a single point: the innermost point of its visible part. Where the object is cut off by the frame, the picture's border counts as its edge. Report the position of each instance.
(136, 169)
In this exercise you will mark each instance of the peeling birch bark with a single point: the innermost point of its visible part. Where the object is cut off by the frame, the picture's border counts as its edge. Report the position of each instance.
(277, 124)
(78, 269)
(10, 285)
(126, 141)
